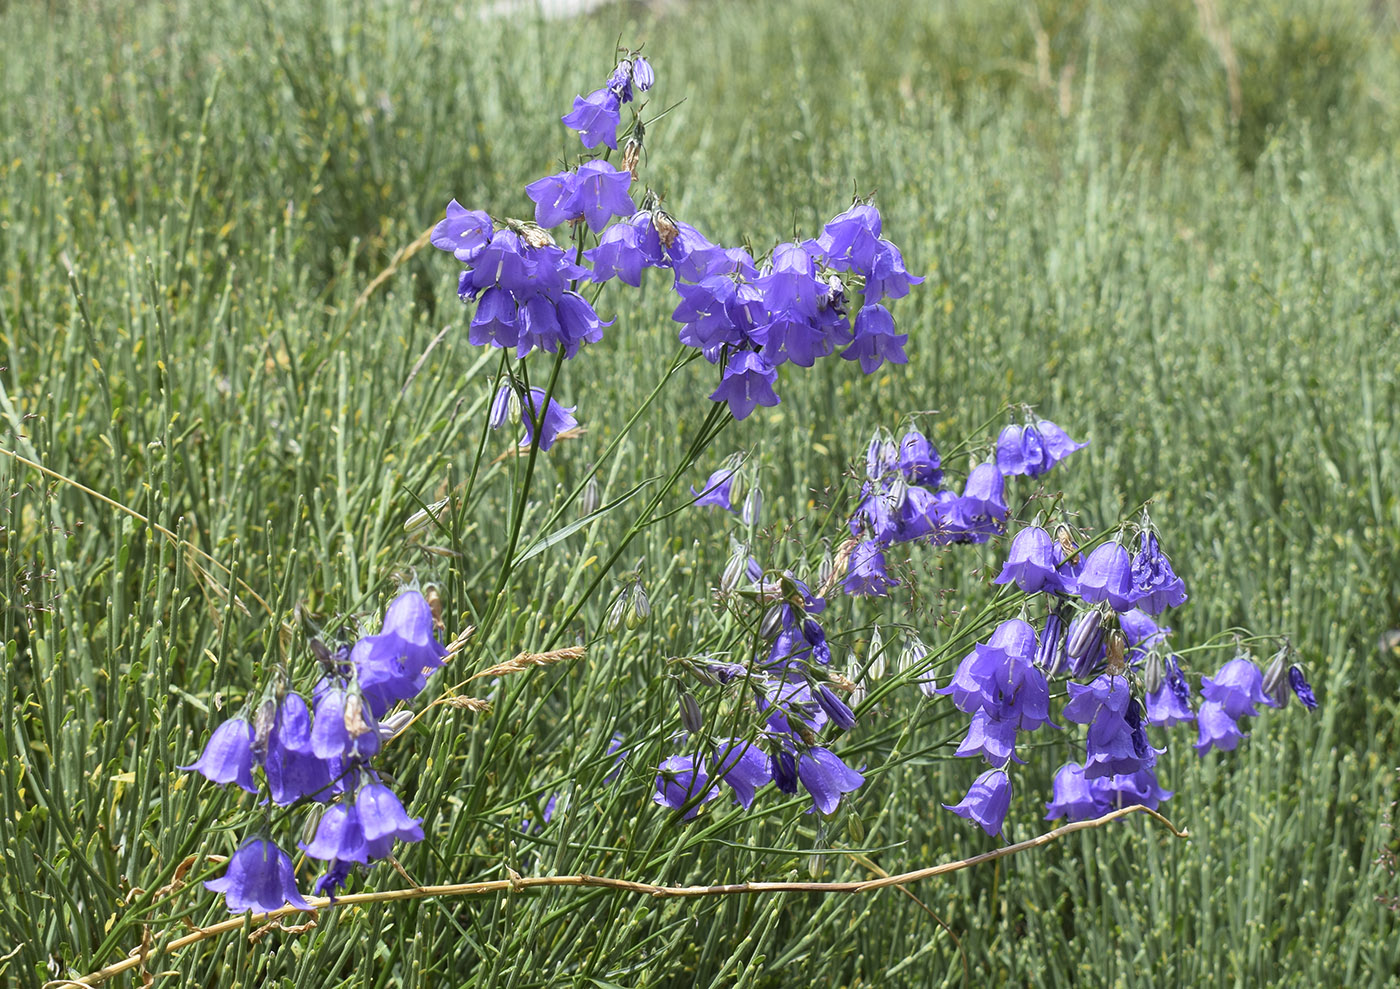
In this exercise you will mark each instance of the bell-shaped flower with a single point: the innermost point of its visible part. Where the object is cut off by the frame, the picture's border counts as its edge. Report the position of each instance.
(382, 815)
(681, 780)
(826, 778)
(1107, 576)
(992, 738)
(718, 489)
(866, 573)
(555, 198)
(259, 878)
(987, 801)
(747, 382)
(1074, 797)
(228, 756)
(1033, 562)
(1216, 728)
(340, 836)
(875, 340)
(464, 233)
(1138, 789)
(557, 419)
(600, 193)
(596, 117)
(1236, 687)
(1155, 584)
(919, 460)
(744, 766)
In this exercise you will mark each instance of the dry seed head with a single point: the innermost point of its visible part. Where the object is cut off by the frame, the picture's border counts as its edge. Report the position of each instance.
(528, 660)
(474, 704)
(1114, 665)
(666, 227)
(631, 156)
(355, 722)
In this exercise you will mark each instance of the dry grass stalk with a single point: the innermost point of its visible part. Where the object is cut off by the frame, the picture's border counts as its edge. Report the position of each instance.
(529, 660)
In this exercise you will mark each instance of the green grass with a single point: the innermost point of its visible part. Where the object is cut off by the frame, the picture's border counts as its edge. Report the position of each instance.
(1211, 302)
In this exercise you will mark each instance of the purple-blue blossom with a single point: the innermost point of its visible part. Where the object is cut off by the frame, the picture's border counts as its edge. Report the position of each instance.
(987, 801)
(259, 877)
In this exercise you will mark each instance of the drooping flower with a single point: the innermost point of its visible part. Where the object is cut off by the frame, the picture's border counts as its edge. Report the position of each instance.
(464, 233)
(836, 709)
(987, 801)
(1156, 586)
(555, 198)
(984, 492)
(992, 738)
(744, 766)
(624, 249)
(826, 778)
(866, 572)
(1216, 728)
(1236, 687)
(228, 756)
(345, 726)
(919, 460)
(643, 75)
(557, 418)
(1301, 687)
(1107, 576)
(747, 382)
(1056, 442)
(259, 878)
(1170, 702)
(1074, 797)
(600, 193)
(394, 665)
(340, 836)
(382, 815)
(718, 489)
(1033, 562)
(875, 340)
(682, 780)
(596, 118)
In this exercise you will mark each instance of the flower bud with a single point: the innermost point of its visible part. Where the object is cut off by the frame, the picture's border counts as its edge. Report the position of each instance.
(618, 612)
(1050, 650)
(876, 665)
(505, 407)
(772, 622)
(752, 510)
(841, 715)
(735, 569)
(691, 718)
(1154, 673)
(592, 496)
(1276, 679)
(395, 723)
(1085, 635)
(640, 608)
(913, 654)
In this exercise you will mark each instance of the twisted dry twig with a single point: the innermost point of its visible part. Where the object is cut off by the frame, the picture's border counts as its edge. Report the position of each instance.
(519, 884)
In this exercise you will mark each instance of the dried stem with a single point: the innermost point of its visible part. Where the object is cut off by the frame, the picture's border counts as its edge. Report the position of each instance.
(519, 884)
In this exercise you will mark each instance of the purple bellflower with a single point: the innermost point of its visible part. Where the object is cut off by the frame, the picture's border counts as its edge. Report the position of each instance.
(866, 573)
(1033, 562)
(875, 340)
(1107, 576)
(464, 233)
(747, 382)
(987, 801)
(228, 756)
(718, 489)
(557, 419)
(259, 878)
(596, 118)
(1156, 586)
(826, 778)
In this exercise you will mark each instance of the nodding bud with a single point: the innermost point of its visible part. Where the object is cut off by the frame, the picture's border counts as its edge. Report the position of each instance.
(913, 654)
(1117, 646)
(1085, 635)
(897, 493)
(322, 652)
(632, 152)
(701, 672)
(753, 506)
(784, 769)
(665, 227)
(1154, 673)
(640, 608)
(855, 827)
(592, 496)
(505, 407)
(1050, 650)
(816, 865)
(857, 693)
(772, 622)
(263, 721)
(310, 825)
(734, 570)
(617, 614)
(394, 724)
(835, 708)
(1276, 686)
(691, 718)
(826, 568)
(876, 665)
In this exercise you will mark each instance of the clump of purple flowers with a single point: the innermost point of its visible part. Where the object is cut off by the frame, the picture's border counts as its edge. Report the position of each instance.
(326, 758)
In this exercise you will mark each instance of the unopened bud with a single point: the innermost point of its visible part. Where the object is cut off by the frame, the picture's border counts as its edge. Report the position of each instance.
(876, 665)
(1085, 635)
(855, 827)
(734, 569)
(505, 407)
(311, 824)
(1276, 686)
(592, 496)
(1154, 673)
(1050, 650)
(640, 609)
(772, 622)
(394, 724)
(752, 510)
(617, 614)
(691, 718)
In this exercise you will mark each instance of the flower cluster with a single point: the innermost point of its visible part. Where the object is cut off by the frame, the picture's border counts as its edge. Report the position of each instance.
(796, 699)
(326, 758)
(903, 499)
(746, 317)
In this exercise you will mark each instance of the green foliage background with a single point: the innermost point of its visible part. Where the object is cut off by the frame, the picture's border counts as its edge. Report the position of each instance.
(1210, 297)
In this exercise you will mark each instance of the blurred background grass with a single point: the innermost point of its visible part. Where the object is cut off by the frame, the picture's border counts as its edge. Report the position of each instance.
(1174, 228)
